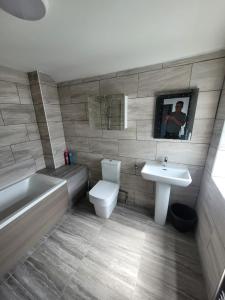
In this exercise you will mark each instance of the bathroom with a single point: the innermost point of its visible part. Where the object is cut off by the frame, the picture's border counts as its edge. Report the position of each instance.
(92, 177)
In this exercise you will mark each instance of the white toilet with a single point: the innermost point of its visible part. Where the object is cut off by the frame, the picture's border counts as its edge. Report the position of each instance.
(104, 194)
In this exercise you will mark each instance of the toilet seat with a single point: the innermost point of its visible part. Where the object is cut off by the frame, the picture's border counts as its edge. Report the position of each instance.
(103, 192)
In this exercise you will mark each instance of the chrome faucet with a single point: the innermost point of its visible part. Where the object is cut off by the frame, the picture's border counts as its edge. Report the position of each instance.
(165, 161)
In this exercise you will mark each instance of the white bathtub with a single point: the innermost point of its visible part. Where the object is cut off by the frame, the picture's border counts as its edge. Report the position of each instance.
(28, 210)
(21, 196)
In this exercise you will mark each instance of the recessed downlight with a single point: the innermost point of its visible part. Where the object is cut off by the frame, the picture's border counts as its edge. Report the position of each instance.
(31, 10)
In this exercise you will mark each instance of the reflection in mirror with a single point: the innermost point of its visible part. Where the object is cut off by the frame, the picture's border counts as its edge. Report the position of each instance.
(174, 115)
(108, 112)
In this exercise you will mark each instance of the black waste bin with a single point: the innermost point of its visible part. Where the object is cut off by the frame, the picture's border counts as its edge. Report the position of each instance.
(183, 217)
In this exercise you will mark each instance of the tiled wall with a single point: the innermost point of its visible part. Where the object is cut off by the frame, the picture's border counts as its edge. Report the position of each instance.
(20, 146)
(136, 144)
(49, 119)
(211, 211)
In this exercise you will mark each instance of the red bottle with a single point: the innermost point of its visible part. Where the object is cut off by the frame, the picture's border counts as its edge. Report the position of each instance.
(66, 157)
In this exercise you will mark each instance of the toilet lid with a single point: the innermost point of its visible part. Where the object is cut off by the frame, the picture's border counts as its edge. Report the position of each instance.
(104, 190)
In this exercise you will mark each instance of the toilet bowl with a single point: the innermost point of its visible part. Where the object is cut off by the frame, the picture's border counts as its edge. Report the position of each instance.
(104, 194)
(104, 197)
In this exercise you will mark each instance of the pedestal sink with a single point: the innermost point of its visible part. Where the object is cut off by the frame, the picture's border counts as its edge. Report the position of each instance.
(165, 176)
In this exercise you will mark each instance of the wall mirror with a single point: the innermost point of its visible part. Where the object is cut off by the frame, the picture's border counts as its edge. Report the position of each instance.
(108, 112)
(174, 115)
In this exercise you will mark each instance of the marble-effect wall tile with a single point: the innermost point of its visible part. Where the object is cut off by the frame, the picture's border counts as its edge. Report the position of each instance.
(208, 75)
(74, 112)
(49, 118)
(89, 88)
(163, 80)
(195, 59)
(221, 109)
(145, 130)
(78, 143)
(126, 85)
(207, 105)
(12, 75)
(27, 150)
(13, 114)
(16, 172)
(137, 144)
(185, 153)
(8, 92)
(126, 134)
(80, 128)
(6, 157)
(104, 146)
(24, 94)
(13, 134)
(141, 108)
(202, 131)
(138, 149)
(33, 131)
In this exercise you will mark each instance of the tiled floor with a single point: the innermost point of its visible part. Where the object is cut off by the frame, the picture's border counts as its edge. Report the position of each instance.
(125, 257)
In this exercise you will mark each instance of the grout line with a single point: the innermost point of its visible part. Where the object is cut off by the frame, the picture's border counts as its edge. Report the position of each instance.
(189, 85)
(16, 82)
(2, 118)
(4, 280)
(163, 64)
(21, 285)
(18, 94)
(138, 84)
(191, 62)
(220, 96)
(13, 154)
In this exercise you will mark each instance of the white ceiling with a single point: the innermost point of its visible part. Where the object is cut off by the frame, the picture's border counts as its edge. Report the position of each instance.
(80, 38)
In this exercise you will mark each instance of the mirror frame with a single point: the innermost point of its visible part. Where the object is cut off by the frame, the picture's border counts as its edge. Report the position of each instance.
(191, 93)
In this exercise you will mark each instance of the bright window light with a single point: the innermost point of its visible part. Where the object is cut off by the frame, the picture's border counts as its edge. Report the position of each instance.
(219, 164)
(218, 172)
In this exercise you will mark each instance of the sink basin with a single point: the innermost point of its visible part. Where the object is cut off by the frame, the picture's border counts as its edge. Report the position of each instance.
(164, 178)
(170, 174)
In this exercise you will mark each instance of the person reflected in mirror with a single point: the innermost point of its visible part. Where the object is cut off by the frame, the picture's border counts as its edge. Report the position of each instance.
(174, 121)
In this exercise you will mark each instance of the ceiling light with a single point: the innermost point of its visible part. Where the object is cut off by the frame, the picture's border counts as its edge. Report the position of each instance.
(31, 10)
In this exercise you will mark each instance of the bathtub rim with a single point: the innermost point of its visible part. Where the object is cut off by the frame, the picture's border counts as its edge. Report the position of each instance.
(29, 176)
(12, 217)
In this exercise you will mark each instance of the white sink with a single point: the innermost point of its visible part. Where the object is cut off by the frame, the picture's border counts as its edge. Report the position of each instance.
(170, 174)
(165, 176)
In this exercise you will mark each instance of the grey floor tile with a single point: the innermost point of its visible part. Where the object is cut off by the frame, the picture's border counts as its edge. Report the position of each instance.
(85, 225)
(93, 281)
(4, 277)
(159, 290)
(172, 245)
(13, 290)
(76, 290)
(120, 264)
(169, 266)
(125, 257)
(76, 245)
(36, 282)
(130, 218)
(55, 263)
(126, 238)
(165, 280)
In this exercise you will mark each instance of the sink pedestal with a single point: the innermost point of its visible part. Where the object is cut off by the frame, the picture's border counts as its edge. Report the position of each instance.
(164, 178)
(161, 202)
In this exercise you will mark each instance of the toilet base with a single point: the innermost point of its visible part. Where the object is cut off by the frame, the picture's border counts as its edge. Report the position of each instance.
(105, 211)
